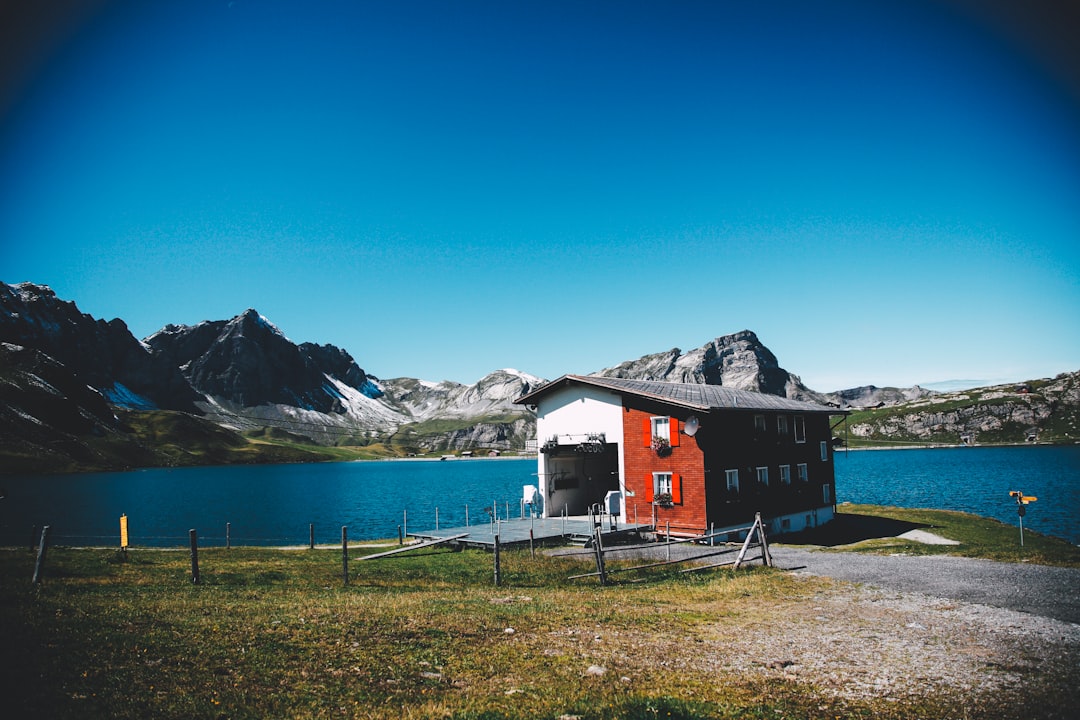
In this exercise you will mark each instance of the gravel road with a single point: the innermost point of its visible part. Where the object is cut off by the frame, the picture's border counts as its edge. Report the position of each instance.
(1051, 592)
(1001, 639)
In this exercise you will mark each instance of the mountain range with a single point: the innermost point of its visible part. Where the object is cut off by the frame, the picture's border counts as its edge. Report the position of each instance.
(64, 373)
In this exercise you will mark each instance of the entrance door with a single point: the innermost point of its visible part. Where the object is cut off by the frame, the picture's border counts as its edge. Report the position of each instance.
(576, 480)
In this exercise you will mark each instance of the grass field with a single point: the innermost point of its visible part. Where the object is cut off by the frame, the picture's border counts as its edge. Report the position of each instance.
(274, 633)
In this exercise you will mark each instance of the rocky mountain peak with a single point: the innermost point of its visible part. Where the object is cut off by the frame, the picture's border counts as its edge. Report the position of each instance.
(105, 355)
(738, 360)
(248, 361)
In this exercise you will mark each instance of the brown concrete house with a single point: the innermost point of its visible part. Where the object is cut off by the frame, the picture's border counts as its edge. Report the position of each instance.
(687, 457)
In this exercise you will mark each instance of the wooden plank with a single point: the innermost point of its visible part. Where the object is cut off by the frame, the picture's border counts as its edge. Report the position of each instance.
(651, 545)
(417, 546)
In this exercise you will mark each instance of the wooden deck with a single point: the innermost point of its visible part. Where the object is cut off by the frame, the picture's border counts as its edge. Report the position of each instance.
(516, 531)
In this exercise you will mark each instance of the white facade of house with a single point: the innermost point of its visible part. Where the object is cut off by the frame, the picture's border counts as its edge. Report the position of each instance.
(568, 417)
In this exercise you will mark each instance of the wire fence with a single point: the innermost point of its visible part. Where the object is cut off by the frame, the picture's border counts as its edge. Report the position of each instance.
(310, 534)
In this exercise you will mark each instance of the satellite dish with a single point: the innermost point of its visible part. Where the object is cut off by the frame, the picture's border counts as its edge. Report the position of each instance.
(691, 426)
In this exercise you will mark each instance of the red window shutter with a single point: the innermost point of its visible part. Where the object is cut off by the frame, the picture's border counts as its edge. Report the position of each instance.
(674, 427)
(650, 491)
(676, 489)
(647, 425)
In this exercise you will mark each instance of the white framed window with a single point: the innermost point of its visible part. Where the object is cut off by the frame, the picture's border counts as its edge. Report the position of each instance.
(759, 423)
(662, 483)
(781, 424)
(826, 494)
(800, 429)
(785, 474)
(824, 450)
(763, 475)
(732, 477)
(801, 470)
(661, 428)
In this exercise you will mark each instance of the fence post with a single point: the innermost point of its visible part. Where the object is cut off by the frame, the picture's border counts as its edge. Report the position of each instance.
(667, 537)
(39, 566)
(436, 517)
(598, 549)
(400, 537)
(194, 539)
(498, 567)
(345, 554)
(311, 535)
(228, 536)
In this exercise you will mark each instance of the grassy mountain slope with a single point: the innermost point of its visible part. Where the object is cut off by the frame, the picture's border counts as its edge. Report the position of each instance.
(1044, 411)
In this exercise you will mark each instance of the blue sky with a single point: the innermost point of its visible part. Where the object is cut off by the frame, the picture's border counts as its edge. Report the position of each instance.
(885, 192)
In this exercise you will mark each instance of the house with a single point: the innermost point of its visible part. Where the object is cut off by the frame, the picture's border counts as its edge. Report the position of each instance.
(688, 457)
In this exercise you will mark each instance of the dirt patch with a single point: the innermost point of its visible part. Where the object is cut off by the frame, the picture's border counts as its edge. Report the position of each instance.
(858, 643)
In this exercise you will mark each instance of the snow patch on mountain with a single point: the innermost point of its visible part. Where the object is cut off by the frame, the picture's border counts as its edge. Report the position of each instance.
(122, 396)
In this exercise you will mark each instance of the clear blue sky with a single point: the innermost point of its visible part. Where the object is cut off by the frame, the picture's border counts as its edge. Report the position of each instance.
(885, 192)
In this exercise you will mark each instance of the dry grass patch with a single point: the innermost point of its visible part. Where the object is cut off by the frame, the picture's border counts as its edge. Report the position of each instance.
(274, 633)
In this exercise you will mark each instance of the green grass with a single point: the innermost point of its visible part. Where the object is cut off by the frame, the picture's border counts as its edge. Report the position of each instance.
(979, 537)
(276, 633)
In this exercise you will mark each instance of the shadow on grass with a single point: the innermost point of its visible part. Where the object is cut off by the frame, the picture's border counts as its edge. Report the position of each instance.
(848, 528)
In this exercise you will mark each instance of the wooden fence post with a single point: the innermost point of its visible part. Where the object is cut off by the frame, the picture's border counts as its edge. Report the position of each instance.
(345, 554)
(498, 567)
(228, 536)
(194, 539)
(311, 536)
(39, 566)
(598, 549)
(400, 538)
(667, 538)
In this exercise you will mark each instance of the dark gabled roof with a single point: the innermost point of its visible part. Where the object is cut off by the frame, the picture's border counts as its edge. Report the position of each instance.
(703, 398)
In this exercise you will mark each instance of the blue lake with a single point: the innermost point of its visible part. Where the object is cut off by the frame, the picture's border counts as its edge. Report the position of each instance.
(975, 480)
(274, 504)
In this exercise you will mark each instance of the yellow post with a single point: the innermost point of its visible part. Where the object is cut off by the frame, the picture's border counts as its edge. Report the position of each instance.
(123, 532)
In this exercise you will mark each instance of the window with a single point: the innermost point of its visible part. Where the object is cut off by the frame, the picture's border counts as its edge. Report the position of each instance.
(824, 450)
(661, 428)
(763, 475)
(826, 494)
(785, 474)
(759, 423)
(662, 483)
(781, 424)
(732, 480)
(666, 484)
(801, 469)
(800, 429)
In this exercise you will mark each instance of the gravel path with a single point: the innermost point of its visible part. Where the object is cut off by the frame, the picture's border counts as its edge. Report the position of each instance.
(987, 634)
(1051, 592)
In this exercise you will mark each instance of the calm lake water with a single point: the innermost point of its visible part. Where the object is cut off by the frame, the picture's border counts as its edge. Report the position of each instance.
(274, 504)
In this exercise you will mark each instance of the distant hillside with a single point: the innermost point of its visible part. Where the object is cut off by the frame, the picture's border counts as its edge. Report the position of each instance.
(1044, 411)
(51, 421)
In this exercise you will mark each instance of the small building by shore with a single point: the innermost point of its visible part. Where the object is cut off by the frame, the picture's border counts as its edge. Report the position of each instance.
(686, 457)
